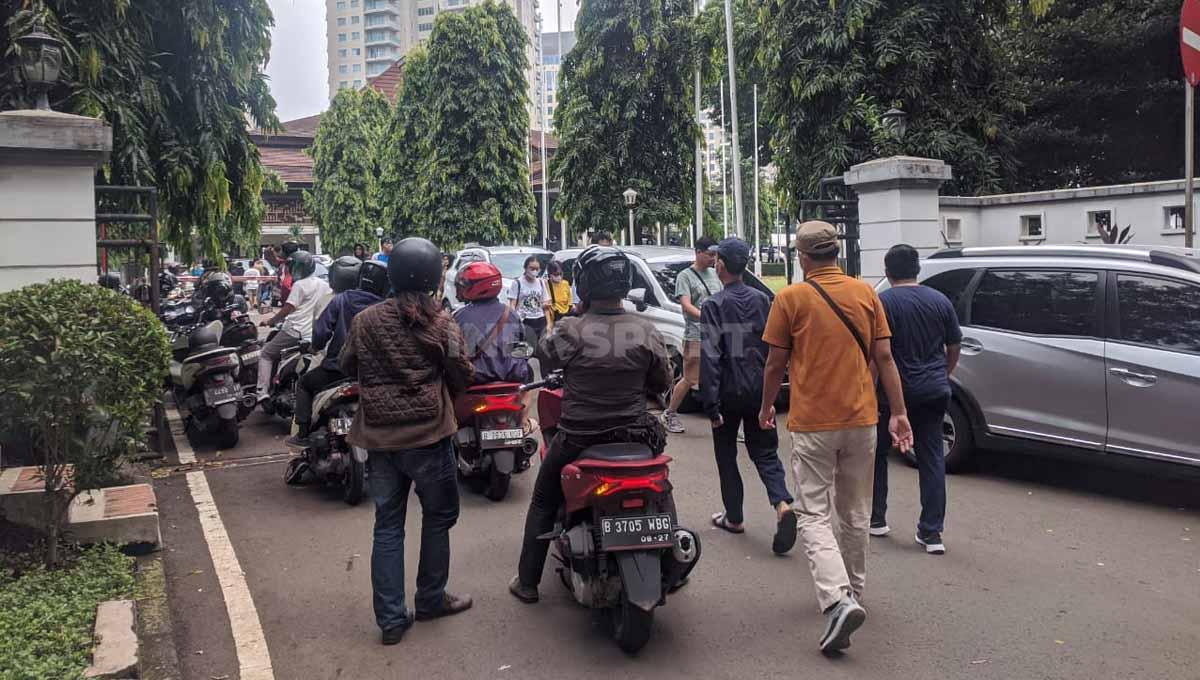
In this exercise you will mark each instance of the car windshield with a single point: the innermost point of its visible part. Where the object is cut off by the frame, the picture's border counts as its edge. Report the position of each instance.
(512, 265)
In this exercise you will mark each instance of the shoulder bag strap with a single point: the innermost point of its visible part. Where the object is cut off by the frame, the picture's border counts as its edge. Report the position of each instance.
(842, 315)
(492, 334)
(701, 280)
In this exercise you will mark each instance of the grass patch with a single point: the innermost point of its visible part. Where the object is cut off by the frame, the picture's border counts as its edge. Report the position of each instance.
(775, 283)
(46, 617)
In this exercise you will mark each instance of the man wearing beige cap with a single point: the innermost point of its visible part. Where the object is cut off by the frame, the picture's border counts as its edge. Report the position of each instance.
(824, 334)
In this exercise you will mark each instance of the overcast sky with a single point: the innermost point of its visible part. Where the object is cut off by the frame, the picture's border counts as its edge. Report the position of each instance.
(297, 66)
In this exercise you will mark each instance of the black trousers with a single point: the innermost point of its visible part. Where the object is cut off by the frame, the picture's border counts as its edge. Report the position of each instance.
(309, 384)
(926, 420)
(544, 505)
(763, 447)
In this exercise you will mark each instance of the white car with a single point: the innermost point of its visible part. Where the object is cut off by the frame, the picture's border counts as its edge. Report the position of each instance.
(510, 260)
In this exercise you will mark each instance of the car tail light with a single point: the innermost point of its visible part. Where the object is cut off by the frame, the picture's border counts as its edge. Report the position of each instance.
(655, 481)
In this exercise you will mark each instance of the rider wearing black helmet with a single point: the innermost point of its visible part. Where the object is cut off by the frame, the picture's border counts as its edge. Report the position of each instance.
(329, 334)
(296, 314)
(373, 278)
(407, 354)
(611, 362)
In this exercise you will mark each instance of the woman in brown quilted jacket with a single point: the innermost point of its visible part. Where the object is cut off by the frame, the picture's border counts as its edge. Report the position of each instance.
(408, 355)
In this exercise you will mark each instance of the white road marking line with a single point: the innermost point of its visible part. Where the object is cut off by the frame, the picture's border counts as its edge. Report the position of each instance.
(254, 659)
(182, 447)
(1191, 39)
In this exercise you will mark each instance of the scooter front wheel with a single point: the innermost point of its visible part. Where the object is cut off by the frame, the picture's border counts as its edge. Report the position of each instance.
(631, 626)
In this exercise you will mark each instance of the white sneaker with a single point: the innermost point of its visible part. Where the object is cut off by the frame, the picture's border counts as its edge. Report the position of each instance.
(932, 542)
(846, 617)
(672, 422)
(881, 530)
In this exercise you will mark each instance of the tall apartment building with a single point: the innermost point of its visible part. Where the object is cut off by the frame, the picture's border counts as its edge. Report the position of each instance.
(364, 37)
(552, 62)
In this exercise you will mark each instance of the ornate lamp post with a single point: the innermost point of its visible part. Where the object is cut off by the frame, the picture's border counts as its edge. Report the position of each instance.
(379, 238)
(41, 62)
(896, 121)
(630, 201)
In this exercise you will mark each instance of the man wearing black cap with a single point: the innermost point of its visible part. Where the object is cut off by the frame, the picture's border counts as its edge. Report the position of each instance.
(732, 357)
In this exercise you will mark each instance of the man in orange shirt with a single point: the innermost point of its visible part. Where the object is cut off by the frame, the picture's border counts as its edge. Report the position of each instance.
(824, 334)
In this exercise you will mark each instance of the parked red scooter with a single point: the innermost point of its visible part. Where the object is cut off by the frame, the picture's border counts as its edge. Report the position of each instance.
(491, 443)
(618, 538)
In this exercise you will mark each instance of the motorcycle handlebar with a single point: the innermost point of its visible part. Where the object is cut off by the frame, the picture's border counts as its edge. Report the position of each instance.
(552, 381)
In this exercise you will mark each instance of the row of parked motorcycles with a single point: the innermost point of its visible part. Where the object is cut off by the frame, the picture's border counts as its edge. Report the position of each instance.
(618, 542)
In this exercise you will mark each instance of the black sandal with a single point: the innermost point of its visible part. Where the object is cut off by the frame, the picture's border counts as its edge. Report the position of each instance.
(785, 533)
(721, 522)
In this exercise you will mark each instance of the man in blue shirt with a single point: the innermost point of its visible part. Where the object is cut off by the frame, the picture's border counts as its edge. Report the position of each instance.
(385, 251)
(732, 358)
(926, 341)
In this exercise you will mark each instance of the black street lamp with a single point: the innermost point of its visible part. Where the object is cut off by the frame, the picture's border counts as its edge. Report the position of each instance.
(896, 121)
(41, 62)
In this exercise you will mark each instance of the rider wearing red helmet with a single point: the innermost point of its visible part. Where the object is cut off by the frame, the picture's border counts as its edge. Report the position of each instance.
(489, 326)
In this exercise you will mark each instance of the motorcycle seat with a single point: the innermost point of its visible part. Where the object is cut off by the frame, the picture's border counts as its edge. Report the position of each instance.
(617, 453)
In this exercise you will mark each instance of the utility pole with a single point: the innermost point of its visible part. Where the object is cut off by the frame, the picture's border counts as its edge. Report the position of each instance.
(757, 249)
(1189, 165)
(698, 226)
(542, 114)
(724, 192)
(562, 224)
(737, 161)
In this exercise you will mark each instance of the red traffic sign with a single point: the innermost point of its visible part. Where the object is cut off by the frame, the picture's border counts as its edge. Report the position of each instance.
(1189, 40)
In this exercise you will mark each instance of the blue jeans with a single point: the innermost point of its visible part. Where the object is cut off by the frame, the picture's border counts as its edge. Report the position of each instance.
(926, 420)
(763, 447)
(391, 474)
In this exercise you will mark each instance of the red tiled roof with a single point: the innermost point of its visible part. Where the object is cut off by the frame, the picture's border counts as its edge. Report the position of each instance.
(389, 81)
(292, 164)
(302, 127)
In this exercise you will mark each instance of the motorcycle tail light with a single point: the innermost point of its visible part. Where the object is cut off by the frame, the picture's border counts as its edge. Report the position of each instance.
(655, 481)
(346, 391)
(497, 402)
(629, 503)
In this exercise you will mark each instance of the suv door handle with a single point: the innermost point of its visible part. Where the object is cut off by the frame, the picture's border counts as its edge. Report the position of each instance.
(971, 345)
(1134, 378)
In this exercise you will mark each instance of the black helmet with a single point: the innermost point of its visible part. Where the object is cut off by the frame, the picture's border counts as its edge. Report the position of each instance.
(166, 282)
(110, 281)
(415, 265)
(343, 273)
(301, 264)
(602, 272)
(218, 286)
(202, 339)
(290, 248)
(373, 278)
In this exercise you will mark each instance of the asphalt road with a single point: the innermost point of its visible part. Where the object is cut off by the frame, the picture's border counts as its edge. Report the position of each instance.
(1053, 570)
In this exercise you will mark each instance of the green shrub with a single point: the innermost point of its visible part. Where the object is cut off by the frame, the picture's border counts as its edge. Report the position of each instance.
(46, 616)
(773, 269)
(80, 368)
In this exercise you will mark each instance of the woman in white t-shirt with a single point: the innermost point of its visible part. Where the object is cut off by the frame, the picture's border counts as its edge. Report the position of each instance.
(531, 301)
(250, 285)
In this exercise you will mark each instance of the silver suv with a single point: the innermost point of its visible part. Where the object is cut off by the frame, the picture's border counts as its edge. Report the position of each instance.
(1093, 348)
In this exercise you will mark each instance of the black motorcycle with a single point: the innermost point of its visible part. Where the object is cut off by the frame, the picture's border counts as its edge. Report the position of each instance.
(331, 460)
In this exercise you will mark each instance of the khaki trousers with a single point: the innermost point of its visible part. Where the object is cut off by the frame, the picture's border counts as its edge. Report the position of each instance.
(834, 473)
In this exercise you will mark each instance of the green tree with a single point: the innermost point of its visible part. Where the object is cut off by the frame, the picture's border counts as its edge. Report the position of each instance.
(1103, 85)
(176, 80)
(347, 156)
(625, 117)
(404, 153)
(833, 68)
(474, 179)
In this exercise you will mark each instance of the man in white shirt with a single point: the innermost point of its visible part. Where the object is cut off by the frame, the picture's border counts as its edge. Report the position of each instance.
(296, 315)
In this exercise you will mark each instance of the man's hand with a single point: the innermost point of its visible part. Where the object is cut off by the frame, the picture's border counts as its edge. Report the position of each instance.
(766, 418)
(264, 323)
(719, 421)
(901, 431)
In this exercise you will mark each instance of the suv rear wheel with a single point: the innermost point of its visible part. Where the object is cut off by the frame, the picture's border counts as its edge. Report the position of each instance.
(957, 438)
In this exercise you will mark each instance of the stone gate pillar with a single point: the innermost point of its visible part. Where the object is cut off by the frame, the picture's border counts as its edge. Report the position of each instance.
(48, 165)
(897, 203)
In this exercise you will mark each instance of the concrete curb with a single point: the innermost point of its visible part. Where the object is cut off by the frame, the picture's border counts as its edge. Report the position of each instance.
(156, 643)
(115, 656)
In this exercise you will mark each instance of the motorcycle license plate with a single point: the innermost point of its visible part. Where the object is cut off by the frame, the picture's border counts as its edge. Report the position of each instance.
(340, 425)
(222, 394)
(501, 435)
(633, 533)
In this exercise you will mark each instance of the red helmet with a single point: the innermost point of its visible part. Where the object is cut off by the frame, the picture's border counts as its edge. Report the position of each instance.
(478, 281)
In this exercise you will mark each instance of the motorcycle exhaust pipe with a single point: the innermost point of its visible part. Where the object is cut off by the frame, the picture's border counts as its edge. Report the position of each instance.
(529, 446)
(249, 401)
(685, 548)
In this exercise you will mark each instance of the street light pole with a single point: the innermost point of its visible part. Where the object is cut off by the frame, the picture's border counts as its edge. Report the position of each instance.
(757, 249)
(562, 223)
(724, 192)
(698, 226)
(542, 152)
(738, 217)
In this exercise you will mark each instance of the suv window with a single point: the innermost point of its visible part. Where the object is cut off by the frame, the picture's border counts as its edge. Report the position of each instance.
(1039, 302)
(952, 284)
(1159, 312)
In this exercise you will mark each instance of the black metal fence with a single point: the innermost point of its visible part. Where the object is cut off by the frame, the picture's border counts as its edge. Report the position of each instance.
(132, 205)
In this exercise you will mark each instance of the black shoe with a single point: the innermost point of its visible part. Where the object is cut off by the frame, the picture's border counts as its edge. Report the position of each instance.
(451, 605)
(932, 542)
(392, 636)
(524, 593)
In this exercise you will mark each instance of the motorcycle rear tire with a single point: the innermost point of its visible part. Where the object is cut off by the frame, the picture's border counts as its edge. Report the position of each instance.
(497, 486)
(354, 482)
(631, 626)
(228, 434)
